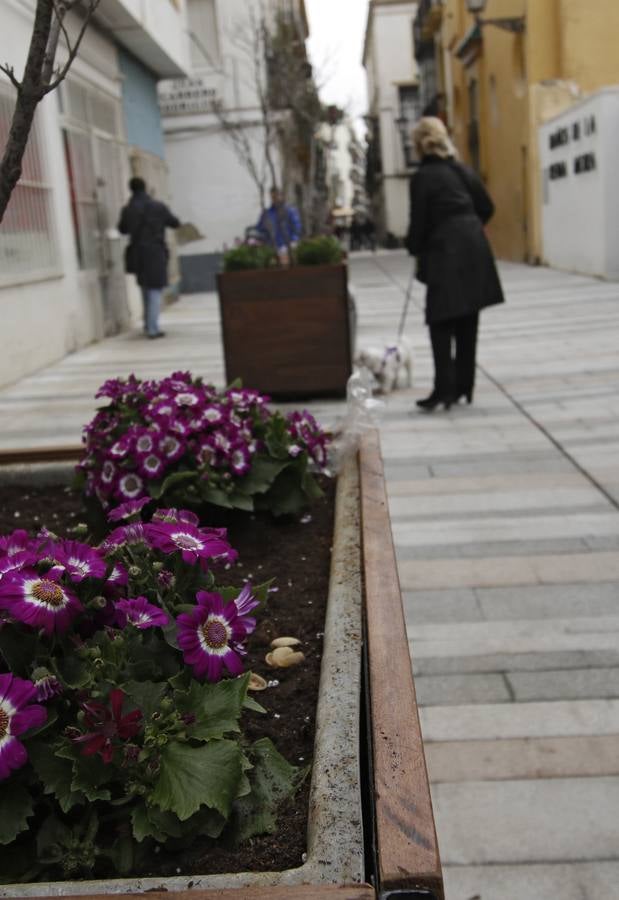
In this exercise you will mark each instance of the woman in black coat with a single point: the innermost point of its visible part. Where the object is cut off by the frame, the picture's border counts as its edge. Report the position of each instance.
(449, 206)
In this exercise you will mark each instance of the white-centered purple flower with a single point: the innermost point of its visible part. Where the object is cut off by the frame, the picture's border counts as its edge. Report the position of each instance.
(171, 448)
(133, 533)
(80, 560)
(15, 542)
(139, 612)
(212, 415)
(186, 398)
(144, 443)
(16, 561)
(210, 636)
(17, 715)
(151, 465)
(130, 486)
(108, 472)
(39, 601)
(194, 544)
(240, 460)
(127, 510)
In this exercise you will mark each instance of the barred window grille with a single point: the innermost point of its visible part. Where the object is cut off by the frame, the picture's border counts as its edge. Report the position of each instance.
(28, 245)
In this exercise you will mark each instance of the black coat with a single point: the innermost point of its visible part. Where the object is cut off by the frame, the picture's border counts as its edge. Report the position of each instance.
(448, 207)
(145, 221)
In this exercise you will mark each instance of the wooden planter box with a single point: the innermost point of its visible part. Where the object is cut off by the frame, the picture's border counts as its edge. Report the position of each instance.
(401, 858)
(287, 332)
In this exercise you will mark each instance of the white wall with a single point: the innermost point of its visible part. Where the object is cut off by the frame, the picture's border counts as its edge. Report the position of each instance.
(580, 212)
(209, 185)
(47, 315)
(390, 62)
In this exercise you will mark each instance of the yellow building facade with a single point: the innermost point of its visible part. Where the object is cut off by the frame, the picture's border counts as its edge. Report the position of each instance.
(498, 85)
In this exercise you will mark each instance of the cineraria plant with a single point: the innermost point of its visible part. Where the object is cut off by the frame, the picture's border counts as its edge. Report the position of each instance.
(182, 440)
(121, 688)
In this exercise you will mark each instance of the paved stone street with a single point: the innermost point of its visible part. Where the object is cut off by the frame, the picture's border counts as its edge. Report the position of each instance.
(506, 520)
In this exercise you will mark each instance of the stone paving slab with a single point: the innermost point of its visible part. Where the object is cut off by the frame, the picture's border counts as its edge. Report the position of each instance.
(549, 601)
(510, 570)
(533, 661)
(573, 684)
(544, 820)
(524, 758)
(559, 718)
(447, 690)
(565, 881)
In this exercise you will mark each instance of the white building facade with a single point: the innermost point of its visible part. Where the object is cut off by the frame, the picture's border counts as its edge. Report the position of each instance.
(394, 105)
(578, 152)
(207, 176)
(62, 283)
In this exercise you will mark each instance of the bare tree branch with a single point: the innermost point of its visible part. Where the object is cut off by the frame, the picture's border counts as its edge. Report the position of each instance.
(61, 74)
(37, 81)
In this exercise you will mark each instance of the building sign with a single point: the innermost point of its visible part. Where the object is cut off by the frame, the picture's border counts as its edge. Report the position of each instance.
(184, 96)
(585, 162)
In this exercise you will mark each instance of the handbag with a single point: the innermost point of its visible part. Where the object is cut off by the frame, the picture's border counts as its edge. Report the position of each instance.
(132, 250)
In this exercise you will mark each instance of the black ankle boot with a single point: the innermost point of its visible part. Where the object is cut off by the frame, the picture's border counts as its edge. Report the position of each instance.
(467, 394)
(435, 399)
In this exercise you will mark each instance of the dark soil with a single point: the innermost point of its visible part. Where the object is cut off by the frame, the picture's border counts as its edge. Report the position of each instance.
(297, 555)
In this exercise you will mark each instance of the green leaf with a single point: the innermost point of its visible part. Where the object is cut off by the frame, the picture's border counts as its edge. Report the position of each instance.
(147, 696)
(150, 822)
(53, 839)
(241, 501)
(56, 773)
(216, 496)
(217, 707)
(192, 777)
(262, 474)
(19, 648)
(172, 480)
(253, 705)
(16, 807)
(273, 780)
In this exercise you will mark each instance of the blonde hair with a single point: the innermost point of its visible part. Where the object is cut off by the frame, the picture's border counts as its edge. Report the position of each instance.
(431, 139)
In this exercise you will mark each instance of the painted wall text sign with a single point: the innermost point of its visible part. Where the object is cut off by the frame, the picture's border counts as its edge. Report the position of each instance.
(574, 132)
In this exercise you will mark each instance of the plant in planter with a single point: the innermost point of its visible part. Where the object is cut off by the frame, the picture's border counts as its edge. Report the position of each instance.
(121, 690)
(288, 330)
(322, 250)
(249, 256)
(183, 440)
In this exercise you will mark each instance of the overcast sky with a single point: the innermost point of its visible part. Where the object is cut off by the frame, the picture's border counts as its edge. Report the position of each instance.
(337, 29)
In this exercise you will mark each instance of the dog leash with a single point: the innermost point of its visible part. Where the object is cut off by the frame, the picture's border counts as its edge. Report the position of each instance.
(409, 294)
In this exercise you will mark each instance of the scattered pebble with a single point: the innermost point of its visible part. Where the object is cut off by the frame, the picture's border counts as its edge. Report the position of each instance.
(305, 519)
(304, 558)
(228, 566)
(289, 583)
(276, 716)
(320, 634)
(304, 857)
(273, 683)
(17, 514)
(273, 590)
(178, 871)
(301, 759)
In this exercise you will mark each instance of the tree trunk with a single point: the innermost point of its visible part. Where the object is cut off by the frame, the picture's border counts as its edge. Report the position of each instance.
(29, 93)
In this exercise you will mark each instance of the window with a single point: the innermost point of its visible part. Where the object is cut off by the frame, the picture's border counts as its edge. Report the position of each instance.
(28, 245)
(409, 113)
(203, 42)
(92, 150)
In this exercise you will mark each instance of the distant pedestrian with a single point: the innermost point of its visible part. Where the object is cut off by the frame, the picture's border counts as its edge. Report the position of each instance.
(369, 234)
(145, 220)
(448, 207)
(280, 226)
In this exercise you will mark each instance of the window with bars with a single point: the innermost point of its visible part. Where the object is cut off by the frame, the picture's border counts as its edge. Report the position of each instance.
(28, 245)
(409, 113)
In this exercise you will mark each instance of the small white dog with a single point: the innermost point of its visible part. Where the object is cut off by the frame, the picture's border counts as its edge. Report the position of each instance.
(388, 365)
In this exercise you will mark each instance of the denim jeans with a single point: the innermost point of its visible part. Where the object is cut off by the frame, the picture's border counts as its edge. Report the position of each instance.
(151, 301)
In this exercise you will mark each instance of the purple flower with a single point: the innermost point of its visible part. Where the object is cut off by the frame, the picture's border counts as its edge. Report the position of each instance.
(16, 561)
(193, 543)
(176, 515)
(47, 687)
(141, 613)
(79, 560)
(39, 600)
(171, 447)
(134, 533)
(130, 486)
(244, 603)
(126, 510)
(14, 543)
(150, 465)
(210, 636)
(212, 415)
(240, 460)
(17, 715)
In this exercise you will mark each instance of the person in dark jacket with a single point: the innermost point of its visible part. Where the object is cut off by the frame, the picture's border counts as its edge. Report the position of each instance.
(145, 221)
(449, 206)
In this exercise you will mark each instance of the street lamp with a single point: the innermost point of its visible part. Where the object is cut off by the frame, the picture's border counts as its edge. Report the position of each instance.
(515, 24)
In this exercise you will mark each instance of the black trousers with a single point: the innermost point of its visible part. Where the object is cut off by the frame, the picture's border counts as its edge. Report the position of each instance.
(454, 345)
